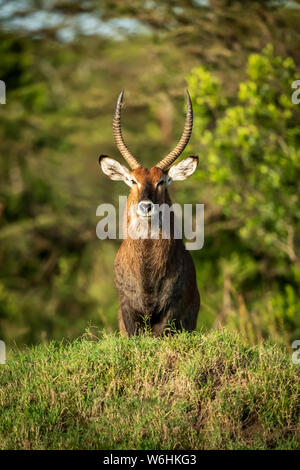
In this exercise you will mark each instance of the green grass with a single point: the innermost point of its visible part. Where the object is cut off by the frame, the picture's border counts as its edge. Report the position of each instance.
(188, 391)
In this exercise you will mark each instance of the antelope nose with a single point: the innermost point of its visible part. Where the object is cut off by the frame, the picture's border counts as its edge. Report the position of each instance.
(145, 207)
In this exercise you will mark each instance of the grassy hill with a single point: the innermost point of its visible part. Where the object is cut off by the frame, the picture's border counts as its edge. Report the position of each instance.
(189, 391)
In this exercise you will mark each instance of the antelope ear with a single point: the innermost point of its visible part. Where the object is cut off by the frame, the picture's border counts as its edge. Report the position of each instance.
(114, 170)
(183, 169)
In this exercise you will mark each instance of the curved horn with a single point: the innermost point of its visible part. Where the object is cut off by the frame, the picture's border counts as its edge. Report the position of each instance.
(167, 161)
(132, 162)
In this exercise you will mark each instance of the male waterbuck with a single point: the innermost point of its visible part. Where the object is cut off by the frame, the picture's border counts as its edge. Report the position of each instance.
(155, 277)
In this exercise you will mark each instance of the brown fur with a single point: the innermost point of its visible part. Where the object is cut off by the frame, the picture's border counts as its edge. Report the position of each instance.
(155, 279)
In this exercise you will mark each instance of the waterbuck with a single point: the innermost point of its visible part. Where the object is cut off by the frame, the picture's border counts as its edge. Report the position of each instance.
(155, 278)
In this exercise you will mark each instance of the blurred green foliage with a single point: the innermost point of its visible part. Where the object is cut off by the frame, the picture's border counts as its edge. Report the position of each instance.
(56, 277)
(251, 171)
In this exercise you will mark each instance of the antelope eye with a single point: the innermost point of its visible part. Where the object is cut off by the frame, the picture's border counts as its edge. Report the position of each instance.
(160, 183)
(133, 182)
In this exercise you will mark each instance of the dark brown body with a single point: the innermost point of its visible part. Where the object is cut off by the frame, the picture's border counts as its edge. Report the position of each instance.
(156, 284)
(155, 278)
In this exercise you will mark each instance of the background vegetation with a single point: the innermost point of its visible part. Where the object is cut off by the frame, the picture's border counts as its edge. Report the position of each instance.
(64, 63)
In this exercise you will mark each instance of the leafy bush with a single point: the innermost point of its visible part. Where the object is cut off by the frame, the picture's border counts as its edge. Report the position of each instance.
(250, 177)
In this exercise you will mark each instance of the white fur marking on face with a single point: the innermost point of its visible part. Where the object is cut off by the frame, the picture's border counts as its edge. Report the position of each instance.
(183, 169)
(142, 227)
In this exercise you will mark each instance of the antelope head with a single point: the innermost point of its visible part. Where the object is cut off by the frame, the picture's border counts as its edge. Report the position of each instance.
(149, 186)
